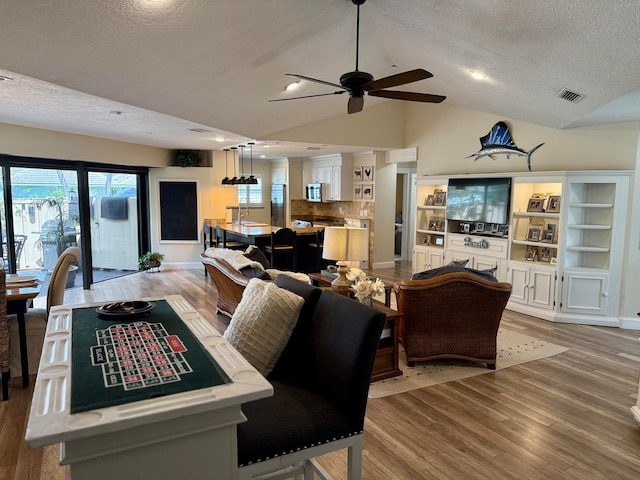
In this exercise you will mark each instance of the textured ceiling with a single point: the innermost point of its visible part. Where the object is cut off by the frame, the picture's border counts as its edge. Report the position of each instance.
(171, 66)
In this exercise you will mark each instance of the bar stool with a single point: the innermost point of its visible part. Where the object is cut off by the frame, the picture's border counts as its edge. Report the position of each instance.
(221, 240)
(283, 247)
(316, 248)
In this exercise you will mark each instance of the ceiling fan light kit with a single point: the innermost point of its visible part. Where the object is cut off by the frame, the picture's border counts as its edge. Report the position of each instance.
(357, 83)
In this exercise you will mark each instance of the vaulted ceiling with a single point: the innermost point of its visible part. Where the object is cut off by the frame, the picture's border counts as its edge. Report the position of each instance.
(173, 68)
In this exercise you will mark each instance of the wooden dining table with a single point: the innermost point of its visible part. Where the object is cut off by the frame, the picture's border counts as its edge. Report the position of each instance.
(19, 293)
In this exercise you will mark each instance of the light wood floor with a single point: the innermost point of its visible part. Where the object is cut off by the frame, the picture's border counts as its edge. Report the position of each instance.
(563, 417)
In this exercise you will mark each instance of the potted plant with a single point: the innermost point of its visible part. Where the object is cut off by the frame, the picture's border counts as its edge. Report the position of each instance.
(150, 260)
(187, 158)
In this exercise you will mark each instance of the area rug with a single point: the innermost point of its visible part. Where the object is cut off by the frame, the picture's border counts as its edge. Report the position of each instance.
(513, 349)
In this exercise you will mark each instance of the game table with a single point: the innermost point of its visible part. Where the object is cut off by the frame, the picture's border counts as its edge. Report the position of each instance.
(154, 396)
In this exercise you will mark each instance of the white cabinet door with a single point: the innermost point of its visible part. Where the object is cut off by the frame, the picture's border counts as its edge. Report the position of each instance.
(434, 258)
(419, 261)
(519, 280)
(531, 285)
(585, 292)
(542, 285)
(454, 256)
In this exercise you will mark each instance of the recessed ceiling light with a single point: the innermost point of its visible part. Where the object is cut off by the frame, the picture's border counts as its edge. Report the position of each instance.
(262, 156)
(292, 86)
(477, 75)
(219, 139)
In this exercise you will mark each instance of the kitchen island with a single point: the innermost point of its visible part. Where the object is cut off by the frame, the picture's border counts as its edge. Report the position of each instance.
(259, 234)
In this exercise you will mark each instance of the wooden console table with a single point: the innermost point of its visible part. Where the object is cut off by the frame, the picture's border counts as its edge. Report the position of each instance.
(386, 362)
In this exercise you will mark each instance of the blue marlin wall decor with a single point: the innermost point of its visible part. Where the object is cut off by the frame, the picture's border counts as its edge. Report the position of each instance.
(499, 142)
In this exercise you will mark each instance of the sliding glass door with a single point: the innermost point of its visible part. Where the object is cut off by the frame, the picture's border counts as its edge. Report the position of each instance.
(113, 199)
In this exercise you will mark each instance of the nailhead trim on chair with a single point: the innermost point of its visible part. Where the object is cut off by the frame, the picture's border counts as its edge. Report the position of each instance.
(300, 448)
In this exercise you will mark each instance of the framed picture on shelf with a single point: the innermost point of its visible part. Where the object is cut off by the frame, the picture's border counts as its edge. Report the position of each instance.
(535, 205)
(429, 199)
(436, 223)
(367, 192)
(441, 198)
(479, 227)
(357, 174)
(545, 254)
(554, 261)
(439, 241)
(547, 236)
(466, 228)
(553, 204)
(532, 253)
(503, 230)
(357, 192)
(367, 173)
(534, 232)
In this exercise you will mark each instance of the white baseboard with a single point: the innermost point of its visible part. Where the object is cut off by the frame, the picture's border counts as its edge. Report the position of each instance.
(630, 323)
(389, 264)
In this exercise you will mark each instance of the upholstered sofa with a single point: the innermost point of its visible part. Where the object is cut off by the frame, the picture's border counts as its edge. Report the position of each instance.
(231, 271)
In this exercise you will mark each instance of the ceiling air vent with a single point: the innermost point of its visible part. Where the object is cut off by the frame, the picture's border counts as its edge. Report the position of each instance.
(313, 148)
(570, 96)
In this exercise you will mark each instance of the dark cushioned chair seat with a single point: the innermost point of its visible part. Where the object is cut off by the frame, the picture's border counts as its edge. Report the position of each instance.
(296, 417)
(436, 272)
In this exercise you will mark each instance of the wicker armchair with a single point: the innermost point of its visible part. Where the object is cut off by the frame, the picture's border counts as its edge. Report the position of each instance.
(455, 315)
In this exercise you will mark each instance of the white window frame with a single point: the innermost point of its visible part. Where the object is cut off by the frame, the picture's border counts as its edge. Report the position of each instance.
(255, 200)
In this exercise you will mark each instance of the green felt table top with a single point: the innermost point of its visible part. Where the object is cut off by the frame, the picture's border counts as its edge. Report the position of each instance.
(119, 360)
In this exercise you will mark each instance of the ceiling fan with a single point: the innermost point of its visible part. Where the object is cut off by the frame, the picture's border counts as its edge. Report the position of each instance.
(357, 83)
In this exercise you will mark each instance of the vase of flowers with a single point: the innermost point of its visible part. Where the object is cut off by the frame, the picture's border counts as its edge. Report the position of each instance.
(364, 288)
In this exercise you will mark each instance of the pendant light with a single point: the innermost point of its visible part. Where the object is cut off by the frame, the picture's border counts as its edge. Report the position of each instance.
(251, 180)
(242, 180)
(234, 180)
(225, 180)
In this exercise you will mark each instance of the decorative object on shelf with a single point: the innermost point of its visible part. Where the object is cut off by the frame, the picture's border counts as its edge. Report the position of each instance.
(367, 191)
(150, 260)
(440, 198)
(427, 240)
(345, 245)
(475, 244)
(553, 204)
(357, 174)
(499, 142)
(532, 253)
(367, 174)
(429, 199)
(547, 236)
(436, 223)
(535, 205)
(363, 287)
(534, 232)
(545, 254)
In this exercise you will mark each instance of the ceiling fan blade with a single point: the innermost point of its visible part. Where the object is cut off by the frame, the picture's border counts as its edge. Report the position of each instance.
(302, 77)
(410, 96)
(398, 79)
(355, 105)
(307, 96)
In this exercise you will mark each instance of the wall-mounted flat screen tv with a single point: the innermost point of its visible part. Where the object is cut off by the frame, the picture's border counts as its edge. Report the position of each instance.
(479, 200)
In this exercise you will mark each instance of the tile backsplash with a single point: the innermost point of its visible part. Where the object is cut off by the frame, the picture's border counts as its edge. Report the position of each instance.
(330, 211)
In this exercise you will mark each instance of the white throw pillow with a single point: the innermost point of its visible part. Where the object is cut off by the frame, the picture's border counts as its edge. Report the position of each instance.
(263, 322)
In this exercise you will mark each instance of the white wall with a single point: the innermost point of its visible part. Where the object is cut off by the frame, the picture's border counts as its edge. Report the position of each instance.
(34, 142)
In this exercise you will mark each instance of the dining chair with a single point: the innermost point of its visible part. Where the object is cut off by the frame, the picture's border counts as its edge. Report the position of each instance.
(36, 318)
(4, 337)
(282, 249)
